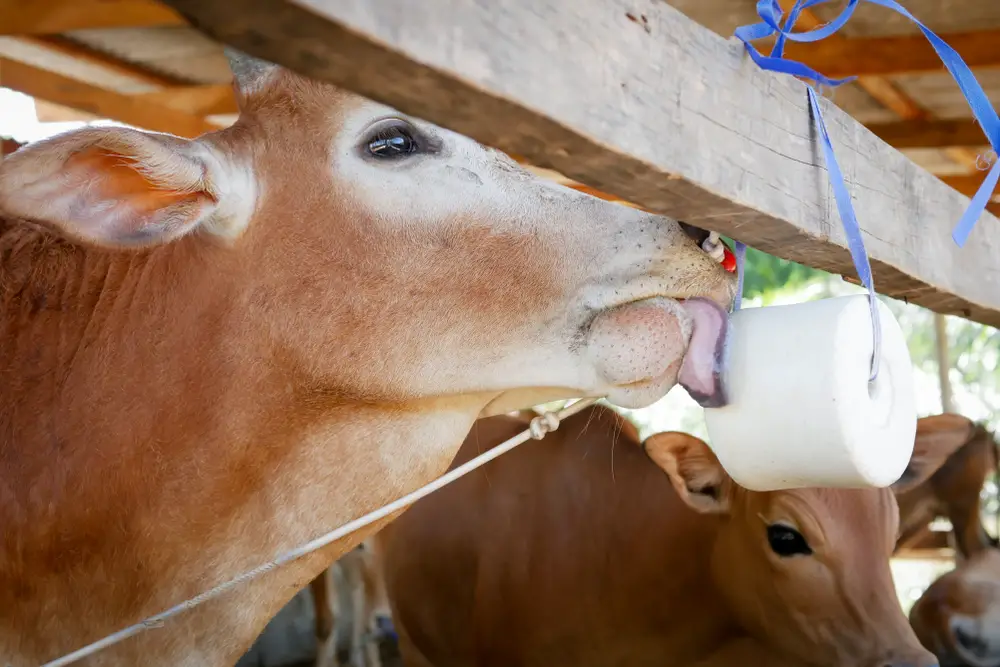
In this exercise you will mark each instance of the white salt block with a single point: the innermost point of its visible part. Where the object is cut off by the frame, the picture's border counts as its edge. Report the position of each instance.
(801, 410)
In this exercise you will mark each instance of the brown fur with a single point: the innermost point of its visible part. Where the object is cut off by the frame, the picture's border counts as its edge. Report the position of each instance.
(210, 373)
(578, 550)
(958, 616)
(954, 490)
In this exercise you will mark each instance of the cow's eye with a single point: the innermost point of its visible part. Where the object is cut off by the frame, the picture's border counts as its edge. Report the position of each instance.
(786, 541)
(392, 142)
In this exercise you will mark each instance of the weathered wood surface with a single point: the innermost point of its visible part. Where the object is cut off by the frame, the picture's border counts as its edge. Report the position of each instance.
(635, 99)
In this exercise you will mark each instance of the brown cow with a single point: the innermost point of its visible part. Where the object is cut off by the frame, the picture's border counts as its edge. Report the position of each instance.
(578, 550)
(958, 616)
(212, 351)
(954, 490)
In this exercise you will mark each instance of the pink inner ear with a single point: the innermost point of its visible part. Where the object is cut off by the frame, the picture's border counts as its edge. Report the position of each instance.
(116, 203)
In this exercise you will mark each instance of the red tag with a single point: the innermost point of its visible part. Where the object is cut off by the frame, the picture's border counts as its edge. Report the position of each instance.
(728, 259)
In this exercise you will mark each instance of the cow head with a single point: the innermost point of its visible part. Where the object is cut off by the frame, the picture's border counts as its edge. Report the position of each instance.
(386, 259)
(958, 616)
(806, 571)
(968, 454)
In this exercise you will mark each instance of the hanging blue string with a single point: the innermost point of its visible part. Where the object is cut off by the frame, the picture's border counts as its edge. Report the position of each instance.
(771, 14)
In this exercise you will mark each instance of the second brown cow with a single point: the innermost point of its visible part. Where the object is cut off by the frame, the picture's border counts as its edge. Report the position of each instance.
(579, 550)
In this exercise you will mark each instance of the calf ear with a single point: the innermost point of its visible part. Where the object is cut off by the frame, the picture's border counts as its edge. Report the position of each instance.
(937, 438)
(118, 187)
(693, 469)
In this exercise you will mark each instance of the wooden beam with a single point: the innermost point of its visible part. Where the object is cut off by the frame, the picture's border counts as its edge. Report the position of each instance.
(928, 545)
(47, 112)
(198, 100)
(926, 133)
(74, 94)
(67, 47)
(664, 114)
(209, 100)
(968, 184)
(886, 56)
(41, 17)
(925, 554)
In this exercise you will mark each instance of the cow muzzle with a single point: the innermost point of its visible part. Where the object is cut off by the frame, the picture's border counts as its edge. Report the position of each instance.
(643, 348)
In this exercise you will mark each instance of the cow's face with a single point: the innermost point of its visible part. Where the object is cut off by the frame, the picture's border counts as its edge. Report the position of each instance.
(386, 260)
(805, 571)
(427, 264)
(958, 616)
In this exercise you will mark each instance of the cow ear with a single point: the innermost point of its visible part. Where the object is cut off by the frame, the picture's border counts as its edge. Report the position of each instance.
(937, 438)
(693, 469)
(118, 187)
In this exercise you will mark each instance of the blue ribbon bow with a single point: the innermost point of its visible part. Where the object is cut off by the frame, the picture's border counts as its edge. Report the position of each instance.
(770, 12)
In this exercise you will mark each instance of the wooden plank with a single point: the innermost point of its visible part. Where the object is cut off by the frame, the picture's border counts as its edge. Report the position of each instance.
(660, 112)
(901, 54)
(171, 92)
(926, 133)
(41, 17)
(925, 554)
(928, 545)
(67, 47)
(208, 100)
(47, 112)
(969, 184)
(74, 94)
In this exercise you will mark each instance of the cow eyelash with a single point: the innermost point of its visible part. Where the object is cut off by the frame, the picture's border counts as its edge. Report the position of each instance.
(395, 139)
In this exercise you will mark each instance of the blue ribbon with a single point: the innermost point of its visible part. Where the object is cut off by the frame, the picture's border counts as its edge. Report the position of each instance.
(770, 12)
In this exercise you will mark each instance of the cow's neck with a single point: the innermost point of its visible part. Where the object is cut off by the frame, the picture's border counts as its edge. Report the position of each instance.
(148, 454)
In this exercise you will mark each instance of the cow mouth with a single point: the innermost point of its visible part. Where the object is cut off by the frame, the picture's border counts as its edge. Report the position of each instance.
(643, 348)
(701, 371)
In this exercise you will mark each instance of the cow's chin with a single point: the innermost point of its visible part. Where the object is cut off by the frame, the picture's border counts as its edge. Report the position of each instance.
(643, 348)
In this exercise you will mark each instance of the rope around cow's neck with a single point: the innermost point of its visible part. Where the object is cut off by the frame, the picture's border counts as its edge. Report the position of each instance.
(538, 428)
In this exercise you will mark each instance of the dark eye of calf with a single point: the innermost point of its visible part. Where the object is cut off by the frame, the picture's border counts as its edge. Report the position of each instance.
(786, 542)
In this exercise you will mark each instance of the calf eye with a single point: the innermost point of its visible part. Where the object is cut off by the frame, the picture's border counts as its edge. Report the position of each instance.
(786, 541)
(391, 142)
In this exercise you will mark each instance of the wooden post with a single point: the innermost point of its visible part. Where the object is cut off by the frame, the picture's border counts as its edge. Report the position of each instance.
(943, 362)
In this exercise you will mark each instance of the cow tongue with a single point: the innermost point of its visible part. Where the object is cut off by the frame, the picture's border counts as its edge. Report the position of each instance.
(701, 370)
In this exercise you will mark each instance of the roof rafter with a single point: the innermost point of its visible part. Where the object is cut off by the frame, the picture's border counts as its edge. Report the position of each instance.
(58, 89)
(887, 56)
(47, 17)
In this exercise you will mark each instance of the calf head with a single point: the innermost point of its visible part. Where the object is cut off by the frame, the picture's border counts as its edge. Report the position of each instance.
(806, 571)
(386, 259)
(969, 454)
(958, 616)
